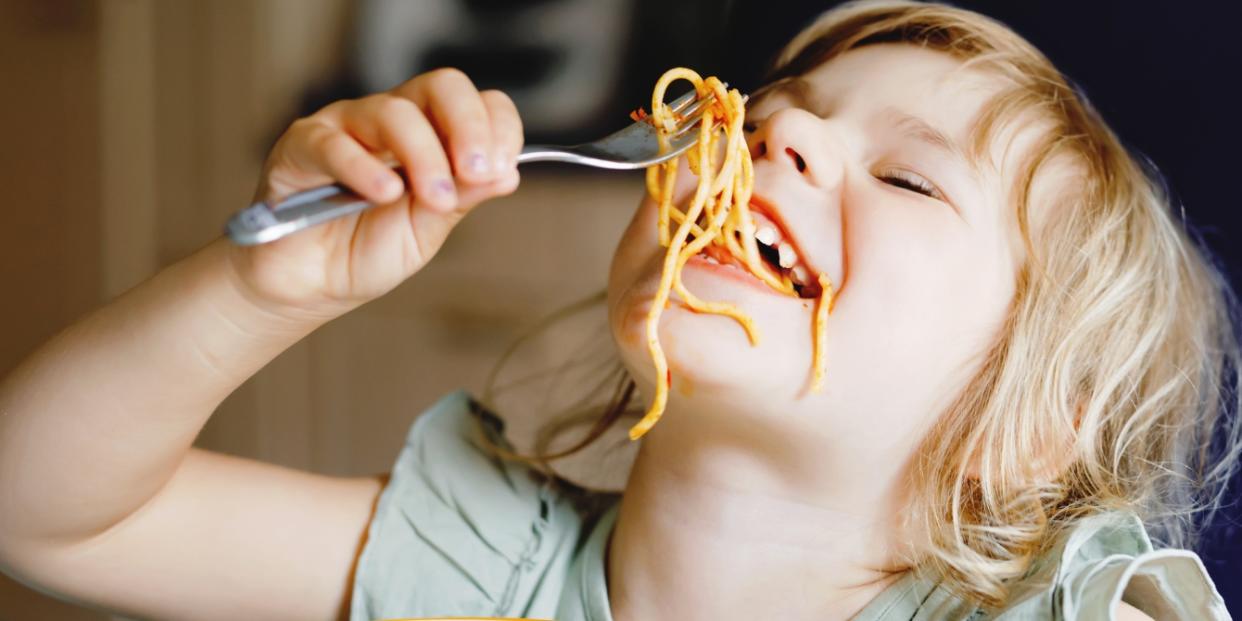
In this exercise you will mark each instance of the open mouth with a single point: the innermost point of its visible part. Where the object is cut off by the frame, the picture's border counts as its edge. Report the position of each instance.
(781, 255)
(777, 252)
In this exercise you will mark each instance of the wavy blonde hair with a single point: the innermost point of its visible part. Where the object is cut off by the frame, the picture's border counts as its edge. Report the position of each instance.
(1118, 363)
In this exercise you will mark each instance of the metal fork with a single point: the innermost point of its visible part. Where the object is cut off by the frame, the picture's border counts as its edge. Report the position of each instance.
(636, 146)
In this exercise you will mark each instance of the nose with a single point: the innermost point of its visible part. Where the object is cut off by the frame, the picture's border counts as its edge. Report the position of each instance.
(804, 160)
(797, 140)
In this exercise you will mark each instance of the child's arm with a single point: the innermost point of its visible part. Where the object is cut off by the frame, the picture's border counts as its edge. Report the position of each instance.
(102, 498)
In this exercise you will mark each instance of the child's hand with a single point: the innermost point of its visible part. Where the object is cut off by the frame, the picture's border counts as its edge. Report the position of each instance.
(458, 147)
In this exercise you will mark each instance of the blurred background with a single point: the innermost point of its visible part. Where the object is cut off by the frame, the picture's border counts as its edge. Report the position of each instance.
(134, 128)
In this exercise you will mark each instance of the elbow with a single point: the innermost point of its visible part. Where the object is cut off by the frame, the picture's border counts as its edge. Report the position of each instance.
(19, 559)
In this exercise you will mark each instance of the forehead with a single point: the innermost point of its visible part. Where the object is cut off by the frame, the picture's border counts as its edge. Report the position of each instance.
(866, 84)
(943, 91)
(920, 82)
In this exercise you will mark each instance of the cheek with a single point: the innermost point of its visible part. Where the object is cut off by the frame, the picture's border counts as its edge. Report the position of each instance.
(636, 264)
(640, 242)
(932, 287)
(711, 355)
(637, 246)
(632, 281)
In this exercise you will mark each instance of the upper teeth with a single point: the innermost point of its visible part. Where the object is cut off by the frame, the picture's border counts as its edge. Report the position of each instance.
(787, 255)
(767, 234)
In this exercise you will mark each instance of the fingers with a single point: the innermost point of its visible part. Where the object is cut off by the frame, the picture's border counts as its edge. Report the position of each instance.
(507, 135)
(390, 123)
(329, 150)
(462, 120)
(457, 145)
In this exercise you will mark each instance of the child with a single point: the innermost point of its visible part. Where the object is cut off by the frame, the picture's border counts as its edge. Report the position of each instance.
(1027, 367)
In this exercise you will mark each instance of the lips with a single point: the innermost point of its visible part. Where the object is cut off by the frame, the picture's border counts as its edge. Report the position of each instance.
(779, 249)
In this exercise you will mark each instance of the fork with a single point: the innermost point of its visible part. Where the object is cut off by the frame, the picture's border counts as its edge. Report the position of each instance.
(636, 146)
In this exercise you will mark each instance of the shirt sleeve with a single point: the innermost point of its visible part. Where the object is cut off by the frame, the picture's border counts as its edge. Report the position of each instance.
(457, 531)
(1114, 562)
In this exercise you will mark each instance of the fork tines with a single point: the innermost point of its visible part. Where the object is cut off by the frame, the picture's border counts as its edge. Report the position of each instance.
(689, 107)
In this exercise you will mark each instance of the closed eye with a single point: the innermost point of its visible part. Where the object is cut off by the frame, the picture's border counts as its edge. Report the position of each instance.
(907, 180)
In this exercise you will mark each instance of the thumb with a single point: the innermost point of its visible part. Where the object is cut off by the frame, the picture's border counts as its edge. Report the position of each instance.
(471, 196)
(432, 226)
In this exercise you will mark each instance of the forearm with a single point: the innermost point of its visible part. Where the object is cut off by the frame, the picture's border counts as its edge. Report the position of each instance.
(97, 420)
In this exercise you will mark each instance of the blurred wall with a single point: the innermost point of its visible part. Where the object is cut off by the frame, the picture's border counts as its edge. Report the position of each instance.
(136, 127)
(50, 249)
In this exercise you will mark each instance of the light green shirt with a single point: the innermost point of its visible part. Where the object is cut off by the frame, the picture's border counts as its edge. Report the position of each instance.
(458, 532)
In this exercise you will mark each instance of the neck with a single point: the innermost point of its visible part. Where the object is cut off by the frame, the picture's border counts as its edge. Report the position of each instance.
(710, 528)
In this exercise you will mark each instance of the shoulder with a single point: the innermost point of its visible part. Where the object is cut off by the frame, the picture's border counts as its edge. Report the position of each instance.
(1126, 612)
(1105, 567)
(457, 530)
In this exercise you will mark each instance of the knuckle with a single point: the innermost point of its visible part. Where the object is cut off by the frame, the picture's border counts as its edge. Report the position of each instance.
(504, 111)
(343, 161)
(468, 148)
(432, 160)
(322, 139)
(474, 125)
(333, 140)
(332, 110)
(355, 164)
(448, 75)
(497, 98)
(467, 126)
(306, 126)
(510, 128)
(393, 106)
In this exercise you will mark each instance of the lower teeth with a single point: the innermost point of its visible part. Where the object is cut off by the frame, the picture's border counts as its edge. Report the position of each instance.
(798, 274)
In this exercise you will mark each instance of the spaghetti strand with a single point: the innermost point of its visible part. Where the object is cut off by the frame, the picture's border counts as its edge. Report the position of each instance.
(718, 216)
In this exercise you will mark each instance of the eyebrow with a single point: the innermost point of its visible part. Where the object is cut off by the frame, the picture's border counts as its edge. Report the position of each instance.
(804, 94)
(919, 129)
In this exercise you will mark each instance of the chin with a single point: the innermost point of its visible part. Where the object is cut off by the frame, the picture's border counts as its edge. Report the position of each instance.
(710, 356)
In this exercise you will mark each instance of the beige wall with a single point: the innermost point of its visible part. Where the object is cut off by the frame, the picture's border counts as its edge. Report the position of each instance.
(135, 127)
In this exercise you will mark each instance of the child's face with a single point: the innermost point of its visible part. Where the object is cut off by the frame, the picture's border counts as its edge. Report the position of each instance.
(924, 282)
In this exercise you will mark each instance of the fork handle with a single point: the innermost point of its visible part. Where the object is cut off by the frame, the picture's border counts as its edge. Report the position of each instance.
(264, 221)
(544, 153)
(578, 154)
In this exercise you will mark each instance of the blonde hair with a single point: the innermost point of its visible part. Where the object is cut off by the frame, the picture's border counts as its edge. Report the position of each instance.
(1118, 363)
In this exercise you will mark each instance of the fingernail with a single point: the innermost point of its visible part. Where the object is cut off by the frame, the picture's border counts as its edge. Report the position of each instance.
(499, 162)
(478, 163)
(445, 191)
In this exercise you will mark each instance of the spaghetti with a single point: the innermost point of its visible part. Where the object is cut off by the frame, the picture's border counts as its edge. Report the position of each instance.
(717, 217)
